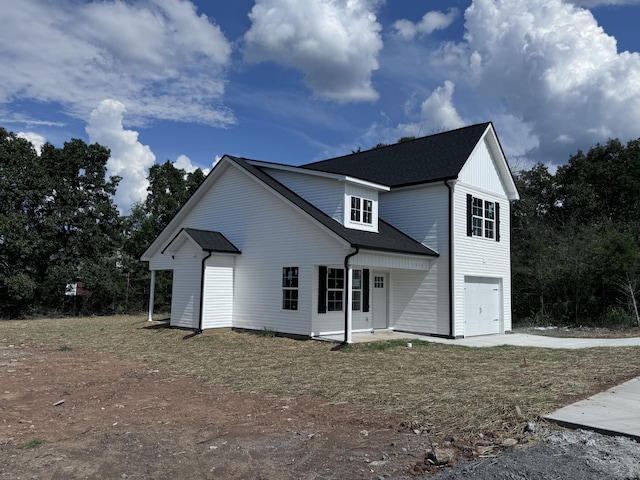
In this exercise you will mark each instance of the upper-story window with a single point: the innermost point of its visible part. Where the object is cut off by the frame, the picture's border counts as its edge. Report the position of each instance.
(361, 210)
(483, 217)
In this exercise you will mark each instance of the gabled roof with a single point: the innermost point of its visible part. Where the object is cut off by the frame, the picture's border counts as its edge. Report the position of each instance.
(208, 240)
(388, 238)
(427, 159)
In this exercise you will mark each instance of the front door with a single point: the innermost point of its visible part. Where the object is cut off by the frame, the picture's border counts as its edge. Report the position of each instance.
(380, 319)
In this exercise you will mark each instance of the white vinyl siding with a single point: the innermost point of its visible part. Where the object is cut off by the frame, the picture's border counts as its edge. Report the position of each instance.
(324, 193)
(485, 258)
(480, 171)
(271, 234)
(161, 262)
(218, 296)
(419, 300)
(185, 295)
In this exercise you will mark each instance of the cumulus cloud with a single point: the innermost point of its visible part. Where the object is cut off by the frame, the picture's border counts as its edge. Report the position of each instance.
(437, 114)
(552, 66)
(159, 57)
(596, 3)
(438, 111)
(335, 43)
(431, 22)
(187, 165)
(36, 139)
(129, 158)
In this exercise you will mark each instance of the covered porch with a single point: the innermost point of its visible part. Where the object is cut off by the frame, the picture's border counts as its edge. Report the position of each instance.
(366, 294)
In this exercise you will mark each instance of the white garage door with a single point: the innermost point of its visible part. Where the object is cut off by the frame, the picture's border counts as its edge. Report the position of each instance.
(481, 306)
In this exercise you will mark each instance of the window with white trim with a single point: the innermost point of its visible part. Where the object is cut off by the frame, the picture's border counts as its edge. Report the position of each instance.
(290, 288)
(335, 289)
(356, 290)
(483, 218)
(361, 210)
(331, 292)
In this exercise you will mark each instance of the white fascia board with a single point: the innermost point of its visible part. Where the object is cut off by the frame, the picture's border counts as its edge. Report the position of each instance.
(178, 241)
(493, 144)
(317, 173)
(163, 237)
(365, 183)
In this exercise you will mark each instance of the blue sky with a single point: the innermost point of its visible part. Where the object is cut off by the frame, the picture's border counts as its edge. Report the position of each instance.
(295, 81)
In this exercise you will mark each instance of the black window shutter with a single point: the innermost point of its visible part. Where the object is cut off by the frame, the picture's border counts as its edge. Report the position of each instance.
(322, 289)
(469, 215)
(497, 222)
(365, 290)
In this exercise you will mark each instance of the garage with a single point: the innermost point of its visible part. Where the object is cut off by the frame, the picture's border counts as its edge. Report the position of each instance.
(482, 306)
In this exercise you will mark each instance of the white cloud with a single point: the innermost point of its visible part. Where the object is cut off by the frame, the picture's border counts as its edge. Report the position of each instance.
(430, 22)
(183, 162)
(334, 42)
(552, 67)
(437, 114)
(129, 158)
(596, 3)
(159, 57)
(438, 111)
(36, 140)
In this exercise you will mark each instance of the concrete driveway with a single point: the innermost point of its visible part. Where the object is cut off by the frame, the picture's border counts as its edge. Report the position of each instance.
(614, 412)
(516, 339)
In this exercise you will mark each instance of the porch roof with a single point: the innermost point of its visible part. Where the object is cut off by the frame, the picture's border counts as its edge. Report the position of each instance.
(208, 240)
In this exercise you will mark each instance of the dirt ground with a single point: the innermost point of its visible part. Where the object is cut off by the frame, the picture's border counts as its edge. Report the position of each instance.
(77, 414)
(71, 414)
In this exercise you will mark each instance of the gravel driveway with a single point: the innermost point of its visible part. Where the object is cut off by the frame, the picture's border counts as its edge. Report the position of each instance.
(562, 454)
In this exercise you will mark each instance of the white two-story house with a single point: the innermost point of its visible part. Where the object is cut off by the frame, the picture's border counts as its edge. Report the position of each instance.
(411, 237)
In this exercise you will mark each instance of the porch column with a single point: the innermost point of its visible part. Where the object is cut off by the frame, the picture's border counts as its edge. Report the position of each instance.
(152, 291)
(349, 305)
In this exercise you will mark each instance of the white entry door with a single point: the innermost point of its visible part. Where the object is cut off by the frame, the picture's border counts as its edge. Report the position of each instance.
(380, 318)
(481, 306)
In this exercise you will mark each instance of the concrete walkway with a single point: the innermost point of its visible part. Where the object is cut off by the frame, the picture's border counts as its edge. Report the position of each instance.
(614, 412)
(516, 339)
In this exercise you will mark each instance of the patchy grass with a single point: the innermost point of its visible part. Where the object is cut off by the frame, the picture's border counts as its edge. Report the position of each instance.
(64, 348)
(387, 344)
(456, 390)
(36, 442)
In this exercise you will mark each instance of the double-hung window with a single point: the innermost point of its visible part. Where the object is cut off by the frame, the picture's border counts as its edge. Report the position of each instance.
(483, 217)
(331, 290)
(361, 210)
(335, 289)
(356, 290)
(290, 288)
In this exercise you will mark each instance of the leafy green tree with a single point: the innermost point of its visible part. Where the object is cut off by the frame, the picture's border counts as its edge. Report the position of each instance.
(169, 188)
(59, 224)
(535, 255)
(576, 237)
(21, 199)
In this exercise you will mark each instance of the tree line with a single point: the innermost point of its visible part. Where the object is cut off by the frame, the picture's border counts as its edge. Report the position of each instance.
(575, 234)
(59, 225)
(576, 239)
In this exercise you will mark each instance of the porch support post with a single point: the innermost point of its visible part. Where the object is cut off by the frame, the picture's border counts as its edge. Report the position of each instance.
(152, 292)
(349, 305)
(348, 310)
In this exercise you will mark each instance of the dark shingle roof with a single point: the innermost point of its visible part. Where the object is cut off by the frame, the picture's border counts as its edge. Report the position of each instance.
(388, 238)
(211, 241)
(423, 160)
